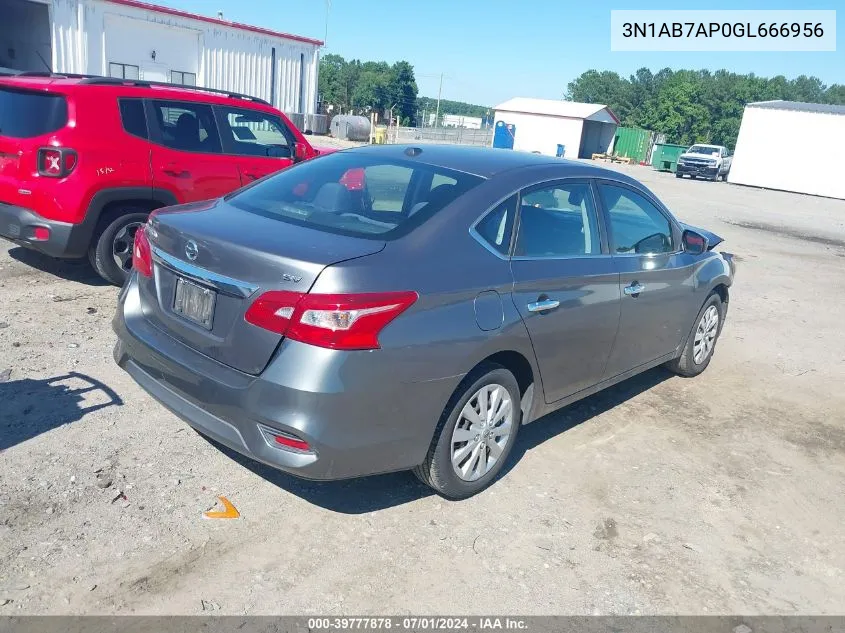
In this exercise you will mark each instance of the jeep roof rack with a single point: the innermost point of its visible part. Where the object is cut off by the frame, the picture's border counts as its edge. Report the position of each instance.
(47, 73)
(94, 80)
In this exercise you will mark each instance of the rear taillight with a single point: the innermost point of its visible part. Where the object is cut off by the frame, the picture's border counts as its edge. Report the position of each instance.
(336, 321)
(142, 259)
(56, 162)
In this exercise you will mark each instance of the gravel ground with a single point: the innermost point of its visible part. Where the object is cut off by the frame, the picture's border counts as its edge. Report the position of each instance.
(716, 495)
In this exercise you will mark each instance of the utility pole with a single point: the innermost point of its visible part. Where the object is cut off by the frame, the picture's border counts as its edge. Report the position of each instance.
(439, 92)
(328, 8)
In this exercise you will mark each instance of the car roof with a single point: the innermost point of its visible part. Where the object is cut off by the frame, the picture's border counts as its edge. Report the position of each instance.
(484, 161)
(131, 88)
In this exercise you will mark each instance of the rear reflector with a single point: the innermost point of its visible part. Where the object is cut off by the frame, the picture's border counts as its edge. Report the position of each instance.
(335, 321)
(41, 233)
(286, 440)
(142, 259)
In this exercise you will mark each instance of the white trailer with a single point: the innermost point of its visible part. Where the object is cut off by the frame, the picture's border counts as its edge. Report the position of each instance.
(791, 146)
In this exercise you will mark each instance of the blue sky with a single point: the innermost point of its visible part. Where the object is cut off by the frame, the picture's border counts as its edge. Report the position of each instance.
(492, 50)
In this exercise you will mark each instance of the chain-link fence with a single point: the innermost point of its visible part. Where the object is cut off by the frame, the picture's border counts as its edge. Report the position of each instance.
(447, 135)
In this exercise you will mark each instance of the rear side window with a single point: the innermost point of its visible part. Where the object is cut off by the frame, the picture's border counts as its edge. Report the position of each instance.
(496, 227)
(355, 194)
(186, 126)
(133, 118)
(25, 114)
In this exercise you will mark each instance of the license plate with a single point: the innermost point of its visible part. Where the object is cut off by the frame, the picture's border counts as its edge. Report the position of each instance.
(194, 302)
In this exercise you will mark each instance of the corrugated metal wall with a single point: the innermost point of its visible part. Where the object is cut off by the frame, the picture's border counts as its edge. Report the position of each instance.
(228, 58)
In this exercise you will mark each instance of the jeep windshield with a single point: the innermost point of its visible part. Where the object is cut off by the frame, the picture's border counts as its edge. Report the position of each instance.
(355, 194)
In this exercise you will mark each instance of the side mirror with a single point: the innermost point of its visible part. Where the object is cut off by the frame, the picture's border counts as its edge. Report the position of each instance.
(300, 152)
(694, 244)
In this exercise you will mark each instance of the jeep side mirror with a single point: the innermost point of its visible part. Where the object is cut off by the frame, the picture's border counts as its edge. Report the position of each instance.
(694, 243)
(300, 152)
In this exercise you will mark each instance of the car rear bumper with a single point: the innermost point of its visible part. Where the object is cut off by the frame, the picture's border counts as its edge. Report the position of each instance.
(18, 225)
(697, 170)
(372, 426)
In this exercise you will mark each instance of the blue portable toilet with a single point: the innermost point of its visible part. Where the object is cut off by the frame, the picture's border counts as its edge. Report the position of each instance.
(561, 150)
(503, 135)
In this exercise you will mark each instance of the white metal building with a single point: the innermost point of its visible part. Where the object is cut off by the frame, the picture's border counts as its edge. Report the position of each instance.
(136, 40)
(791, 146)
(541, 125)
(456, 120)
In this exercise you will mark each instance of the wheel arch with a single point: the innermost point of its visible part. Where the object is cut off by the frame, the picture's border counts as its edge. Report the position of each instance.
(106, 204)
(524, 372)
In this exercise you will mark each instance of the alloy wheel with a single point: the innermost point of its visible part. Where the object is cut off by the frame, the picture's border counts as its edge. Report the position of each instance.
(122, 245)
(705, 335)
(482, 432)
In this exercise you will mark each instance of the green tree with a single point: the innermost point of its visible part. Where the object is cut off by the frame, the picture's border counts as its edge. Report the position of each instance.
(693, 105)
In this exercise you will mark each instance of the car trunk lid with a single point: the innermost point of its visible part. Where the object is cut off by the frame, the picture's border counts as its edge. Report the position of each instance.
(212, 253)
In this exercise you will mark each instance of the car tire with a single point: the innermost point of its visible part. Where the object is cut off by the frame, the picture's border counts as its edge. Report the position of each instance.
(456, 468)
(677, 175)
(701, 342)
(111, 251)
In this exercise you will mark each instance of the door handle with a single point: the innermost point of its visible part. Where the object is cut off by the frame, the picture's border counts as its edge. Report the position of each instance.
(542, 306)
(634, 289)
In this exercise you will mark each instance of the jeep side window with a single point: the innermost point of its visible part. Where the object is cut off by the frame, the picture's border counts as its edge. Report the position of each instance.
(253, 133)
(186, 126)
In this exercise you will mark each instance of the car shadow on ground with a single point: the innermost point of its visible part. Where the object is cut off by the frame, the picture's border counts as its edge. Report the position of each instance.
(378, 492)
(78, 270)
(30, 407)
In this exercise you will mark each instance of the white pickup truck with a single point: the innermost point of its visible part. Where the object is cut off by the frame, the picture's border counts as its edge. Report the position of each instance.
(705, 161)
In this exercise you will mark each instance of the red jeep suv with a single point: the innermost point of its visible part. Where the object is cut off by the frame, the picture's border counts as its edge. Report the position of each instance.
(83, 160)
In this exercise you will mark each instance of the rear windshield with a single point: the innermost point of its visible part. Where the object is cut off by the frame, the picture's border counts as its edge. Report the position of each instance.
(26, 114)
(355, 194)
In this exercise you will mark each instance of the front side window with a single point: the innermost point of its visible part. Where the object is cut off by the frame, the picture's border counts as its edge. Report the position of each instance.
(636, 225)
(252, 133)
(355, 194)
(186, 126)
(558, 221)
(124, 71)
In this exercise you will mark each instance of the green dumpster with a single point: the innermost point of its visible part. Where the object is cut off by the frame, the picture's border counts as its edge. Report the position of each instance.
(632, 143)
(665, 156)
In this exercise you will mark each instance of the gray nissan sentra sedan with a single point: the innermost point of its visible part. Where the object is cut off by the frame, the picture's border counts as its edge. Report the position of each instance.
(390, 307)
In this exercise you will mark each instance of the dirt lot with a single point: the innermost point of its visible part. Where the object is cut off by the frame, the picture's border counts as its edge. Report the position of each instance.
(720, 494)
